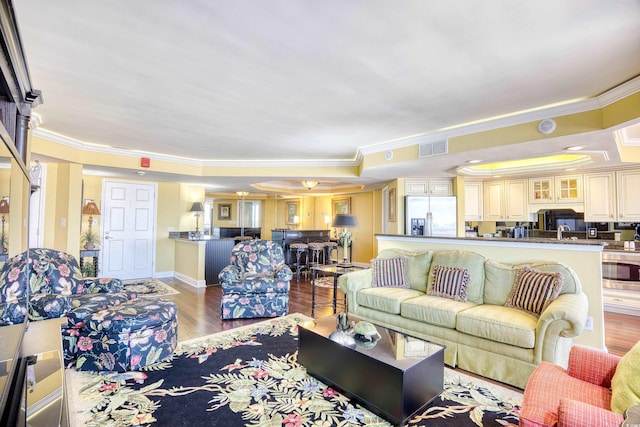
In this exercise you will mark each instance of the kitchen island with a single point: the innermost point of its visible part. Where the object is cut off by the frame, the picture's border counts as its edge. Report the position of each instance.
(584, 256)
(198, 261)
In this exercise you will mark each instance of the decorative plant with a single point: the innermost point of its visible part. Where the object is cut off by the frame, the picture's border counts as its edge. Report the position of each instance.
(344, 238)
(89, 239)
(89, 270)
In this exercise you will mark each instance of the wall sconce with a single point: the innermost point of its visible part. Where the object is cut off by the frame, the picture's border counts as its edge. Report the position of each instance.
(90, 209)
(296, 221)
(197, 208)
(309, 184)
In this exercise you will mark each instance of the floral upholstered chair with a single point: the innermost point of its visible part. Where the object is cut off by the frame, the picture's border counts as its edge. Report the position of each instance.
(56, 286)
(256, 283)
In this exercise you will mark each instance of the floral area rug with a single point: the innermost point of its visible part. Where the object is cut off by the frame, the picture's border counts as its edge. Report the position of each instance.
(149, 288)
(249, 377)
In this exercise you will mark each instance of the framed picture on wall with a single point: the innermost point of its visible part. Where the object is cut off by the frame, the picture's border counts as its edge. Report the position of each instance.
(341, 206)
(392, 205)
(224, 211)
(292, 212)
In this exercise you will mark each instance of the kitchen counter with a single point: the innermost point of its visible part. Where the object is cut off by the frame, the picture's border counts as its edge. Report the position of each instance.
(543, 240)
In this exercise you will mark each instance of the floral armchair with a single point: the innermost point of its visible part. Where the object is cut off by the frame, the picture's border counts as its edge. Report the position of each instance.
(56, 287)
(256, 282)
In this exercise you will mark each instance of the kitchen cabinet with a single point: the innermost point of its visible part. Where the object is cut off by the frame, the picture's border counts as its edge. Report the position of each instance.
(428, 187)
(493, 194)
(515, 193)
(541, 190)
(600, 197)
(628, 200)
(559, 189)
(473, 201)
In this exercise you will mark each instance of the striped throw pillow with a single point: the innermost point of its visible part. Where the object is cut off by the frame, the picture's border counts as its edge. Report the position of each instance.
(390, 272)
(533, 290)
(450, 282)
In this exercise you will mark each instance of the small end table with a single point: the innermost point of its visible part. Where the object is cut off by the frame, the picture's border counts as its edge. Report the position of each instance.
(336, 271)
(94, 254)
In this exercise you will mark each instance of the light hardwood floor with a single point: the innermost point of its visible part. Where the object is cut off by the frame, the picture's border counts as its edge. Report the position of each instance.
(199, 314)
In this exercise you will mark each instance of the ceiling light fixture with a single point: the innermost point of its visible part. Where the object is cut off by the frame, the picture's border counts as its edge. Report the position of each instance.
(473, 162)
(309, 184)
(242, 193)
(575, 148)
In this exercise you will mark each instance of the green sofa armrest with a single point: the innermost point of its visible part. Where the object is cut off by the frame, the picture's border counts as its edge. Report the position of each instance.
(354, 281)
(565, 317)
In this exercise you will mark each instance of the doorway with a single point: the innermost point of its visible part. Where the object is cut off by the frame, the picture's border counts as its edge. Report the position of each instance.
(128, 229)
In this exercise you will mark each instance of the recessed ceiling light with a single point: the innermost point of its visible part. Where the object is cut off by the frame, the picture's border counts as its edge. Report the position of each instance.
(474, 161)
(575, 148)
(141, 173)
(496, 176)
(570, 169)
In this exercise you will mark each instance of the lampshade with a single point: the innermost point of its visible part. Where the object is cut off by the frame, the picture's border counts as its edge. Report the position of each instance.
(90, 208)
(345, 220)
(309, 184)
(197, 207)
(4, 206)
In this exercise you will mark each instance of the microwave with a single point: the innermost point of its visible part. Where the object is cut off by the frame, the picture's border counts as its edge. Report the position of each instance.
(621, 270)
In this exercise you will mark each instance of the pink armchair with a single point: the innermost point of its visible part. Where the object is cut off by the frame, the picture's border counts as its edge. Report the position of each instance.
(577, 396)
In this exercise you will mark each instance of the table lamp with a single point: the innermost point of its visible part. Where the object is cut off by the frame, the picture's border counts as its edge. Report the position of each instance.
(90, 209)
(197, 208)
(344, 238)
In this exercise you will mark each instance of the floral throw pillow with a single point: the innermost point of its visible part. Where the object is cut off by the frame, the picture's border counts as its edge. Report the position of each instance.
(450, 282)
(389, 272)
(533, 290)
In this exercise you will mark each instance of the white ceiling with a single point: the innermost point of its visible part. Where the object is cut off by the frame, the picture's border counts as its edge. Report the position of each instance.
(315, 81)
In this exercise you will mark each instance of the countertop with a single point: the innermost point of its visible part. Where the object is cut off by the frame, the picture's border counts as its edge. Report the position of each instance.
(594, 242)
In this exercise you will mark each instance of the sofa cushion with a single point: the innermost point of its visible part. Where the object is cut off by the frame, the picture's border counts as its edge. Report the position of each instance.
(450, 282)
(387, 300)
(389, 272)
(498, 282)
(625, 385)
(533, 290)
(471, 261)
(434, 310)
(500, 324)
(418, 264)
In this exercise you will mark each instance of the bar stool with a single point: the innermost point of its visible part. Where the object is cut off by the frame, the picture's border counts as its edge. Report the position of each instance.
(316, 253)
(297, 250)
(328, 248)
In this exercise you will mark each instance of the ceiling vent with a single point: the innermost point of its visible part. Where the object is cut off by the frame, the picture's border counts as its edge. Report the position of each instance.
(435, 148)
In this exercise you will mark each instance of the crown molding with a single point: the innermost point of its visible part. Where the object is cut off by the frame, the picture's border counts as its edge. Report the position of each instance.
(97, 148)
(579, 106)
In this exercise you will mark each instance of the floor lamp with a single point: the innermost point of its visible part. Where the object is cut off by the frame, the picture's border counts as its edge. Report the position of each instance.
(345, 221)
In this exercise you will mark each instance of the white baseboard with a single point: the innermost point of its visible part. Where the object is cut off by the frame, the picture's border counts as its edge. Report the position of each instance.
(190, 281)
(163, 275)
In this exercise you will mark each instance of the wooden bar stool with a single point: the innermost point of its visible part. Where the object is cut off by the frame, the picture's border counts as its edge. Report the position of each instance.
(329, 247)
(299, 251)
(316, 253)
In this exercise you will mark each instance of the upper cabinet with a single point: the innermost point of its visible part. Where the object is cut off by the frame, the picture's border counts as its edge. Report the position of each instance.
(428, 187)
(493, 209)
(628, 200)
(600, 197)
(515, 192)
(473, 201)
(559, 189)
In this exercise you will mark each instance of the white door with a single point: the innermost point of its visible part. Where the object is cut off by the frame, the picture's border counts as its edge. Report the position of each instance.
(128, 247)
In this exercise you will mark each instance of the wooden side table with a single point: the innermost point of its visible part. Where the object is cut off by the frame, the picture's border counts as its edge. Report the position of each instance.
(90, 253)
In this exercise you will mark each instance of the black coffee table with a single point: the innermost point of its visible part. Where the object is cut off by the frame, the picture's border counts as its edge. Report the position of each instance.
(394, 379)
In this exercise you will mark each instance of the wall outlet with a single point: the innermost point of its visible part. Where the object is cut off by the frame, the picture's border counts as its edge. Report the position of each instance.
(63, 222)
(588, 324)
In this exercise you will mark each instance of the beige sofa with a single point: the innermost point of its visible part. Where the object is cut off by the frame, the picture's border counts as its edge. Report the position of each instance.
(481, 335)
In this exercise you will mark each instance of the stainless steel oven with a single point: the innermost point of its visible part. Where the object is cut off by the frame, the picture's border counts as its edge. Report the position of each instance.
(621, 270)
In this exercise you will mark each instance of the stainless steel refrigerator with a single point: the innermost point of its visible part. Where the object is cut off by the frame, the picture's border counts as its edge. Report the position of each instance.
(430, 216)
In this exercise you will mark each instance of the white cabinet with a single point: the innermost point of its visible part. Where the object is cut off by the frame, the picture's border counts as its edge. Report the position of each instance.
(493, 209)
(628, 200)
(569, 189)
(516, 200)
(600, 197)
(428, 187)
(559, 189)
(541, 190)
(473, 201)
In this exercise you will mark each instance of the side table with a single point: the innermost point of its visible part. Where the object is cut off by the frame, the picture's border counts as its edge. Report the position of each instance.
(90, 253)
(336, 271)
